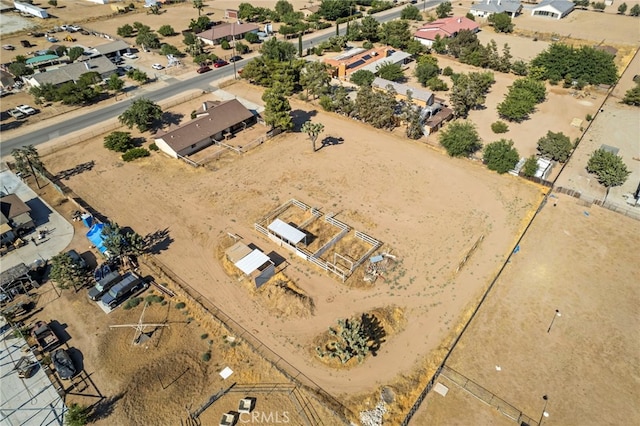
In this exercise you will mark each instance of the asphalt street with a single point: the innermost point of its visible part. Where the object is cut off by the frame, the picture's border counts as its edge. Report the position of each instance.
(61, 127)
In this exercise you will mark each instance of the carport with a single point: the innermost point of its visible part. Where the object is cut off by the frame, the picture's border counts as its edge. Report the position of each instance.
(287, 233)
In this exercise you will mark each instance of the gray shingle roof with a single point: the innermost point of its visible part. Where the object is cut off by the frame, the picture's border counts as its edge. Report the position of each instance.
(402, 89)
(72, 72)
(561, 6)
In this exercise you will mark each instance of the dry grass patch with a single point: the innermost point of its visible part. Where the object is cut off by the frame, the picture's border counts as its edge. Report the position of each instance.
(281, 295)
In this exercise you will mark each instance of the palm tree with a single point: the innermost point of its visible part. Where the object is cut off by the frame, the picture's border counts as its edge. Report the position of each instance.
(28, 159)
(198, 4)
(313, 130)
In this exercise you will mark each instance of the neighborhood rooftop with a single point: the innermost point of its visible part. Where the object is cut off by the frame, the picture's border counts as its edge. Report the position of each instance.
(227, 30)
(223, 116)
(403, 89)
(446, 27)
(72, 72)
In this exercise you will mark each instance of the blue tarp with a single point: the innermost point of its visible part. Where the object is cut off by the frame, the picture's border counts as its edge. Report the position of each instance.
(95, 236)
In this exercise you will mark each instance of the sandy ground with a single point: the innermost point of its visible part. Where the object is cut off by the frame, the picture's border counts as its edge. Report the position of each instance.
(456, 203)
(584, 266)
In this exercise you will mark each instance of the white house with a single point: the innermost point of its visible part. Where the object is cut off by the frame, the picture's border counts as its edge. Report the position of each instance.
(557, 9)
(487, 8)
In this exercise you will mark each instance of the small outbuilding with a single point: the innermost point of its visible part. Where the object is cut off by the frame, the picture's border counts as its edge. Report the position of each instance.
(252, 262)
(30, 9)
(557, 9)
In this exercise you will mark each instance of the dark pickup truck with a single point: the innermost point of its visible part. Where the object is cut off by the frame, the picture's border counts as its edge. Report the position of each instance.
(45, 337)
(103, 285)
(130, 283)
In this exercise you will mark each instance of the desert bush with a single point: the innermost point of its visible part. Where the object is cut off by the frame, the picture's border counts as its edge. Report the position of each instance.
(499, 127)
(180, 305)
(135, 153)
(206, 357)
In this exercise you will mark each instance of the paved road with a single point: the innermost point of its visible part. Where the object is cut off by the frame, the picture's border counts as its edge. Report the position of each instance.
(61, 128)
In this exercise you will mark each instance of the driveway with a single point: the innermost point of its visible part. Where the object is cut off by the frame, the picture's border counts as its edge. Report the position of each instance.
(59, 232)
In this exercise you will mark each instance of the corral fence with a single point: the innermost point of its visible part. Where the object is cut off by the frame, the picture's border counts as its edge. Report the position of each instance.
(284, 367)
(632, 212)
(487, 396)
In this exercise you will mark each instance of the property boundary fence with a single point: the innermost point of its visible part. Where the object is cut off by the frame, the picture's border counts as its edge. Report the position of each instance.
(632, 212)
(291, 372)
(487, 396)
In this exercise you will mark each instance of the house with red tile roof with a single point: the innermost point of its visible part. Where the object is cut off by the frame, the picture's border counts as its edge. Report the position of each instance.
(445, 28)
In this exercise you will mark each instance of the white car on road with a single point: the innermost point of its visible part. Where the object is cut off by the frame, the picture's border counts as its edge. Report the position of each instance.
(157, 66)
(130, 55)
(26, 109)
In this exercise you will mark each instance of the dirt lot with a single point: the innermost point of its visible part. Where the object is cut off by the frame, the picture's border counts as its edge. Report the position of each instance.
(457, 202)
(581, 261)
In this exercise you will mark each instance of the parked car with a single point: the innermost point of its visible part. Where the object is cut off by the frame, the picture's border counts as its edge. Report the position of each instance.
(17, 114)
(52, 40)
(117, 293)
(9, 47)
(25, 43)
(75, 28)
(63, 364)
(26, 109)
(220, 63)
(127, 68)
(103, 285)
(157, 66)
(45, 337)
(129, 55)
(235, 58)
(203, 69)
(77, 259)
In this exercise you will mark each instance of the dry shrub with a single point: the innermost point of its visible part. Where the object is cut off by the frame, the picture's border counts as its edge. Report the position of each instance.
(280, 294)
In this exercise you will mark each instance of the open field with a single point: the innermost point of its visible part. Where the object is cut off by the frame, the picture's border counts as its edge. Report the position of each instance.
(429, 226)
(587, 364)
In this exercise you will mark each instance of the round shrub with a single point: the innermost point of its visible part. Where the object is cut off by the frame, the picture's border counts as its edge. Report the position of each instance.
(135, 153)
(180, 305)
(206, 356)
(499, 127)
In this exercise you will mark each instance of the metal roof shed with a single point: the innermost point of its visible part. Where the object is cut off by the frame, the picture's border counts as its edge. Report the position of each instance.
(287, 232)
(252, 261)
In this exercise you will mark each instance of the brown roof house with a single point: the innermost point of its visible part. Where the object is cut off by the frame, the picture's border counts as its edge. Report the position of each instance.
(214, 122)
(226, 31)
(14, 217)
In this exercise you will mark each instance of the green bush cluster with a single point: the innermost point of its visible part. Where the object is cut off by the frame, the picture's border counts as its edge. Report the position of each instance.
(135, 153)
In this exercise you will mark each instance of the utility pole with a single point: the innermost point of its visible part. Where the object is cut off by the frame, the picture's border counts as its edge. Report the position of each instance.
(233, 35)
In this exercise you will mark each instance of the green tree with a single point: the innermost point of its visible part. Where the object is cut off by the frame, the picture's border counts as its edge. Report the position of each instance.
(142, 113)
(200, 24)
(635, 10)
(119, 141)
(225, 45)
(241, 48)
(536, 88)
(75, 52)
(283, 7)
(598, 6)
(501, 22)
(584, 63)
(277, 50)
(370, 28)
(376, 108)
(169, 49)
(622, 9)
(460, 139)
(362, 77)
(312, 130)
(246, 11)
(465, 41)
(425, 71)
(469, 91)
(334, 9)
(500, 156)
(148, 39)
(390, 71)
(444, 9)
(277, 110)
(28, 161)
(395, 34)
(609, 169)
(632, 97)
(119, 243)
(581, 3)
(53, 3)
(166, 31)
(439, 44)
(115, 83)
(412, 13)
(198, 4)
(415, 48)
(517, 106)
(520, 68)
(137, 75)
(315, 78)
(125, 31)
(66, 272)
(251, 37)
(411, 116)
(530, 167)
(555, 146)
(77, 415)
(19, 69)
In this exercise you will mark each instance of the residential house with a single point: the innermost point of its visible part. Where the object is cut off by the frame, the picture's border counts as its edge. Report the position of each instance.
(72, 72)
(445, 28)
(227, 31)
(216, 121)
(420, 97)
(484, 9)
(15, 218)
(308, 10)
(433, 113)
(557, 9)
(370, 60)
(110, 50)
